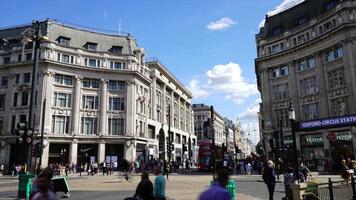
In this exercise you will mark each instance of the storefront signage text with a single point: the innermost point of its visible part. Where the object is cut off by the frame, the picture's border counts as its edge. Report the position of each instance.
(329, 122)
(313, 139)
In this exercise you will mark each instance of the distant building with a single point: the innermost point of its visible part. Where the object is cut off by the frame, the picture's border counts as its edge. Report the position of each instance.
(305, 55)
(103, 101)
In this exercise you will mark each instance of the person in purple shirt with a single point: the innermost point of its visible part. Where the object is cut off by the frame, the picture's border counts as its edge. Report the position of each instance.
(218, 191)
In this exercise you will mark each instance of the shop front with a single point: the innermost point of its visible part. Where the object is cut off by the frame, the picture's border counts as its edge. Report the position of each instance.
(58, 153)
(312, 146)
(341, 147)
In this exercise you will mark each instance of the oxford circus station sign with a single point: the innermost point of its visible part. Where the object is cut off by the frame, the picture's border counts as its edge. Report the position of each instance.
(328, 122)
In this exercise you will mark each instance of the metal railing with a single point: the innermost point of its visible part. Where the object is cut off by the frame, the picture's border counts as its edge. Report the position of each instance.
(333, 190)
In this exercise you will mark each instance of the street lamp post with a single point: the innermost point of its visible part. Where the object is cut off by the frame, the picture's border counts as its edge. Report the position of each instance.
(291, 115)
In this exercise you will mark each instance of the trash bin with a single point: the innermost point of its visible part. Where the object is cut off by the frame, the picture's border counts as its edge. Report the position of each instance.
(23, 180)
(231, 187)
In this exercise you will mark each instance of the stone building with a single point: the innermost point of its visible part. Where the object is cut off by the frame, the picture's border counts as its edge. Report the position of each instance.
(305, 56)
(102, 100)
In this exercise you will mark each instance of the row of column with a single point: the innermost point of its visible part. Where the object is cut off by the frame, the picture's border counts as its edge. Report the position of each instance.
(129, 152)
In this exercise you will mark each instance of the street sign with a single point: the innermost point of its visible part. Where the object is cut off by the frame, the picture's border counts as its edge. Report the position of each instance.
(331, 136)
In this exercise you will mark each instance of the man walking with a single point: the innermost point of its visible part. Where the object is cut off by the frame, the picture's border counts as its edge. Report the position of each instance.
(218, 191)
(269, 177)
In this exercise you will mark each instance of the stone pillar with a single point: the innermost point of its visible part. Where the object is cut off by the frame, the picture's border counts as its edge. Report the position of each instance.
(76, 105)
(73, 152)
(350, 73)
(130, 151)
(298, 190)
(153, 100)
(47, 94)
(103, 107)
(164, 105)
(323, 94)
(353, 135)
(326, 142)
(101, 152)
(45, 155)
(293, 89)
(130, 108)
(178, 114)
(5, 154)
(172, 110)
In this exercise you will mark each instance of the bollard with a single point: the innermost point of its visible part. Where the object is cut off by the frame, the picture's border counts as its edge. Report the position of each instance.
(353, 187)
(331, 191)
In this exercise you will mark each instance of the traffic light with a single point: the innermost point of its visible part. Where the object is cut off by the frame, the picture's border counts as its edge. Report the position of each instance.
(20, 132)
(24, 135)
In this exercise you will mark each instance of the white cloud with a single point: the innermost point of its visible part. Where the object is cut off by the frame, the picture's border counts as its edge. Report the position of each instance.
(196, 90)
(251, 111)
(285, 5)
(223, 23)
(228, 80)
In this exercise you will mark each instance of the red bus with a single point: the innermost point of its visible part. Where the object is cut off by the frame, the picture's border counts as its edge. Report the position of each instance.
(204, 155)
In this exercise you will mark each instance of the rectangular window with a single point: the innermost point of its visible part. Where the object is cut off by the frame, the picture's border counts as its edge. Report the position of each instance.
(92, 63)
(90, 83)
(24, 98)
(311, 111)
(60, 124)
(339, 106)
(309, 86)
(336, 78)
(63, 79)
(65, 58)
(28, 56)
(15, 100)
(281, 92)
(62, 100)
(17, 78)
(117, 85)
(116, 103)
(89, 125)
(281, 116)
(4, 81)
(116, 65)
(91, 46)
(7, 60)
(116, 126)
(311, 63)
(116, 49)
(330, 55)
(284, 71)
(13, 123)
(90, 102)
(2, 101)
(339, 53)
(64, 41)
(26, 77)
(1, 125)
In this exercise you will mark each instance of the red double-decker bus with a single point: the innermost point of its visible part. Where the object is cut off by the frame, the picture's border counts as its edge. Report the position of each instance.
(204, 155)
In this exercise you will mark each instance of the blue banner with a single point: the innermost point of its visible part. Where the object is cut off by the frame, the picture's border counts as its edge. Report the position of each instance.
(328, 122)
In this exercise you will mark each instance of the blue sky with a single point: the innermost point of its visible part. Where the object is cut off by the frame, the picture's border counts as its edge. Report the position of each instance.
(209, 45)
